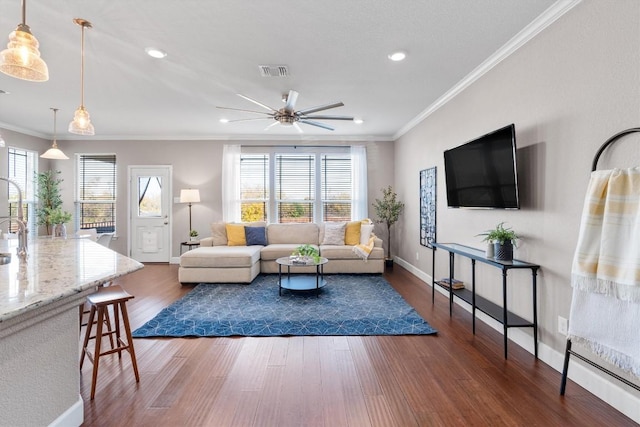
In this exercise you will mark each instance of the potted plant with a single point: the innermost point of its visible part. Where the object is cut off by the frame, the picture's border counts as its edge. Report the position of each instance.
(193, 235)
(58, 218)
(503, 239)
(388, 210)
(306, 253)
(48, 195)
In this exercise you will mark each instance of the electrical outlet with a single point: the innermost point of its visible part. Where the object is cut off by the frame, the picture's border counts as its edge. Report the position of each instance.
(417, 256)
(562, 325)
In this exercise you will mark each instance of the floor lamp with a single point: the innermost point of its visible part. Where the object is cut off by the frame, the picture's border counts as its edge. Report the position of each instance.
(190, 196)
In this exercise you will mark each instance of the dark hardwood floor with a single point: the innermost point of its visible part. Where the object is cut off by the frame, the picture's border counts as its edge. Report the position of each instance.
(450, 379)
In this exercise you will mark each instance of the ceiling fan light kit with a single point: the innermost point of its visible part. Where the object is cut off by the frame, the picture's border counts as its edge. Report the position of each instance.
(288, 116)
(21, 59)
(81, 123)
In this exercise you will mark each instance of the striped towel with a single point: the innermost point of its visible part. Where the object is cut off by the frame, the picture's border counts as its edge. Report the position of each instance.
(607, 257)
(363, 251)
(606, 270)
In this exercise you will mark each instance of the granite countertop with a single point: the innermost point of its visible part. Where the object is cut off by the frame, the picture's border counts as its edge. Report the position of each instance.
(55, 269)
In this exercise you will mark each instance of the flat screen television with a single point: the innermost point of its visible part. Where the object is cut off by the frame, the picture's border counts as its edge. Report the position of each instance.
(482, 173)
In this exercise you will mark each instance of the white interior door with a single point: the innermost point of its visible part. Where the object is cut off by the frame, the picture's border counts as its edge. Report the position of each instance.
(149, 207)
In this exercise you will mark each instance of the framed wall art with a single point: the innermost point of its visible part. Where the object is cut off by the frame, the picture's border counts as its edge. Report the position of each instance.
(428, 187)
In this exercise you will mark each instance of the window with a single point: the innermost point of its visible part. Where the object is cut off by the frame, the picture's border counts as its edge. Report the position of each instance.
(254, 187)
(295, 187)
(22, 169)
(307, 186)
(96, 192)
(336, 188)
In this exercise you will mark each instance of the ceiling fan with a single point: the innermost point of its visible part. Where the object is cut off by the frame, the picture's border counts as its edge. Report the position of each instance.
(288, 116)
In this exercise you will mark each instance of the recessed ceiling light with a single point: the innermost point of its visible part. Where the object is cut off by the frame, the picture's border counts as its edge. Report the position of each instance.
(358, 121)
(224, 120)
(397, 56)
(154, 52)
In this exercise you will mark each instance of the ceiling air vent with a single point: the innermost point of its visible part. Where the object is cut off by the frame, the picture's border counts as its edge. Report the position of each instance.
(274, 70)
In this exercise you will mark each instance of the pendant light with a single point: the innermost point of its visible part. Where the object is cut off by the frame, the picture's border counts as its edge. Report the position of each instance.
(21, 59)
(54, 152)
(81, 123)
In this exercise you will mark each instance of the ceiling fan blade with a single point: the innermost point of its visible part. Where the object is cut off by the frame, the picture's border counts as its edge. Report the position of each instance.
(246, 120)
(319, 108)
(241, 109)
(318, 124)
(327, 117)
(298, 128)
(291, 101)
(271, 125)
(257, 102)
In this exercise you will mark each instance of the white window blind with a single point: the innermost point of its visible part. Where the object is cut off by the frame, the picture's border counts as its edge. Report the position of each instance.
(295, 187)
(96, 205)
(336, 187)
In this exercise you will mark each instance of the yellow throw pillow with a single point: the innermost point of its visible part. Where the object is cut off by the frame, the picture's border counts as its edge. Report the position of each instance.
(352, 233)
(235, 235)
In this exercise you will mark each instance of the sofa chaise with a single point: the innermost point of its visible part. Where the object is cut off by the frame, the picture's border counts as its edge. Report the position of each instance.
(237, 253)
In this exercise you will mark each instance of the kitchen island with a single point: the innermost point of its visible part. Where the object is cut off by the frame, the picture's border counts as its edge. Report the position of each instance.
(39, 331)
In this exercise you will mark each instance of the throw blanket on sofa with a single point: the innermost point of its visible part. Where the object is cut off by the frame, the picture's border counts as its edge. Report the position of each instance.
(363, 251)
(605, 276)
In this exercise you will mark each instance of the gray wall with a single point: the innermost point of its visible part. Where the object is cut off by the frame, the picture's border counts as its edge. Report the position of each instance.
(196, 164)
(568, 90)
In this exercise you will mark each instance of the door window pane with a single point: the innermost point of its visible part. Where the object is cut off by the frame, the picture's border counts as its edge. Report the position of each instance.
(150, 196)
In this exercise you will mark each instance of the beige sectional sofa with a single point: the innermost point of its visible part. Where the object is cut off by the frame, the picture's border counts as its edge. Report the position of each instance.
(221, 260)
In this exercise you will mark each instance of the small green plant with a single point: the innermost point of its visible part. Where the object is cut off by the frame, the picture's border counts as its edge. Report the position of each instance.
(193, 233)
(58, 216)
(500, 234)
(307, 250)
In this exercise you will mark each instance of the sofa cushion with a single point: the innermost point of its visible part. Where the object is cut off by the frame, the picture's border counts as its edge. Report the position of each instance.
(346, 252)
(221, 256)
(218, 234)
(278, 250)
(255, 235)
(352, 233)
(333, 233)
(293, 233)
(235, 235)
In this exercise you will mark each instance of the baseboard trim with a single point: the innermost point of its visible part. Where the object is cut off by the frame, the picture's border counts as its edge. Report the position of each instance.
(74, 416)
(605, 388)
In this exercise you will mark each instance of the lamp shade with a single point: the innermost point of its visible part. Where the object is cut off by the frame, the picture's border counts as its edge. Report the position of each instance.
(54, 153)
(189, 195)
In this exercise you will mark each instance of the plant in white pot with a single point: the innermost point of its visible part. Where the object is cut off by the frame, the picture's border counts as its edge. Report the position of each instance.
(193, 235)
(503, 239)
(388, 210)
(58, 218)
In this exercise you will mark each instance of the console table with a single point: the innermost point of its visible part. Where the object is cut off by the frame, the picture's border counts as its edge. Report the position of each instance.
(493, 310)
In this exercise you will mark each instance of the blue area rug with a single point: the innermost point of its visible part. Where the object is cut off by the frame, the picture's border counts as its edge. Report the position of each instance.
(348, 305)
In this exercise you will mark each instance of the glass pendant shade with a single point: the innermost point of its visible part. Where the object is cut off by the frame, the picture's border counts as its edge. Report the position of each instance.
(21, 59)
(54, 152)
(81, 123)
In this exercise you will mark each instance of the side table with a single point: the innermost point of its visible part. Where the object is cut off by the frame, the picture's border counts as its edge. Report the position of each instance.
(189, 245)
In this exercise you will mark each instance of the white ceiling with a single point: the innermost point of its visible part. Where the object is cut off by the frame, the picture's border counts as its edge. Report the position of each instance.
(336, 50)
